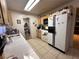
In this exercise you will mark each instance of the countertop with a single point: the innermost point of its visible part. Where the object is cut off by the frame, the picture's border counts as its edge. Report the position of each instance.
(18, 47)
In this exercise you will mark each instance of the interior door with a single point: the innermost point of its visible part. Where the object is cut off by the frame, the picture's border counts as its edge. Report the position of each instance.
(61, 26)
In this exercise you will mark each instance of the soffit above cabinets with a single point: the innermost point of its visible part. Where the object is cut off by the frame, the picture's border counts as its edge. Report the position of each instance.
(41, 7)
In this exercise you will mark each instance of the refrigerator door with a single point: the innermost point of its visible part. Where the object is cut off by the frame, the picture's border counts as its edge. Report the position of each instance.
(61, 26)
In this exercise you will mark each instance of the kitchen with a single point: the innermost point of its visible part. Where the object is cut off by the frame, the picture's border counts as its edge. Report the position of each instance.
(52, 30)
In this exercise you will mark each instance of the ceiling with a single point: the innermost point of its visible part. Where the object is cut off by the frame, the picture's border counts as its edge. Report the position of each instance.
(41, 7)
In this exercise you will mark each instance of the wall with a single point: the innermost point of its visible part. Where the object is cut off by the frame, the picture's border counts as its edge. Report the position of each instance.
(10, 18)
(4, 9)
(1, 19)
(33, 19)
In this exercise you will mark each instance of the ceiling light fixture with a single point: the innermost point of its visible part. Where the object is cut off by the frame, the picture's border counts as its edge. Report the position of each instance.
(30, 5)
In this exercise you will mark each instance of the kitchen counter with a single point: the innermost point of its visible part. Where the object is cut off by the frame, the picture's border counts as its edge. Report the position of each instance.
(19, 48)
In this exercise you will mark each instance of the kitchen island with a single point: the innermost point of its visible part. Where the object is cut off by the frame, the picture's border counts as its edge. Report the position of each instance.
(17, 47)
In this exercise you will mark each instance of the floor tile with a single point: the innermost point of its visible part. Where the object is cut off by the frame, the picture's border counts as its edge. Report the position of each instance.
(55, 52)
(48, 47)
(49, 56)
(75, 58)
(43, 43)
(64, 56)
(42, 51)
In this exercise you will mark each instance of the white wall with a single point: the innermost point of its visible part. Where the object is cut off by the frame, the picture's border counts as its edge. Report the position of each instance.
(16, 15)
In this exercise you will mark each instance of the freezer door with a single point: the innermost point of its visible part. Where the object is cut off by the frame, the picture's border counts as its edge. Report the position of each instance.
(61, 26)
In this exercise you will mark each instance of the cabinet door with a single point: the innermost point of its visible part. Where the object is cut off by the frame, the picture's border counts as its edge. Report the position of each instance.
(44, 37)
(50, 38)
(61, 26)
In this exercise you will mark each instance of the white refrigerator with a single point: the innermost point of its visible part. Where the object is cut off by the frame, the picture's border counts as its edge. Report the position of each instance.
(61, 22)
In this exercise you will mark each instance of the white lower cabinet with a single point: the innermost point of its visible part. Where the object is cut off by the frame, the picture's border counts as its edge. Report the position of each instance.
(44, 35)
(47, 37)
(50, 38)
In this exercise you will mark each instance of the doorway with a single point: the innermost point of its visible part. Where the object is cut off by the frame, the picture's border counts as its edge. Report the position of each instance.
(27, 28)
(76, 31)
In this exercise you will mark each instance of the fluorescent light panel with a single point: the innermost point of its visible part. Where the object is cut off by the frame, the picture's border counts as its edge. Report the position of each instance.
(31, 4)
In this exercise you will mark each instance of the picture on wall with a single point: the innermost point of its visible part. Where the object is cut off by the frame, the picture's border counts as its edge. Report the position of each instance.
(18, 21)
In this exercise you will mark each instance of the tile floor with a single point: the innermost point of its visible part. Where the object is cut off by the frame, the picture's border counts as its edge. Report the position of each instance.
(44, 51)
